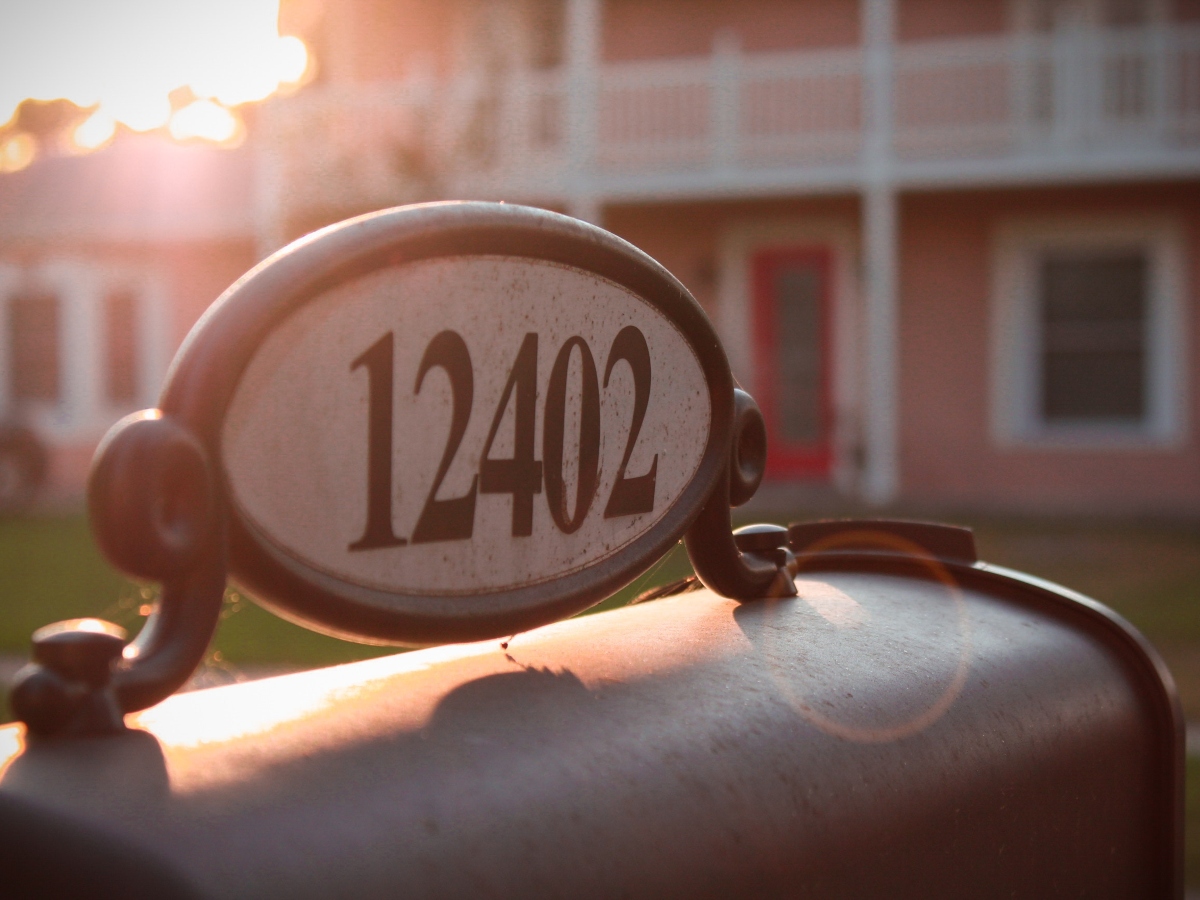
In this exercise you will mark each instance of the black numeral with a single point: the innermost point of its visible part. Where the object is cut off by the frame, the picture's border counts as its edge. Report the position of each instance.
(632, 495)
(520, 476)
(452, 519)
(377, 360)
(589, 436)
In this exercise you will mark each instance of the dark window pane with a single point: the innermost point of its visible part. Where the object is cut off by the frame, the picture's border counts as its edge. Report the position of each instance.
(120, 328)
(1093, 310)
(1124, 13)
(33, 346)
(548, 20)
(801, 362)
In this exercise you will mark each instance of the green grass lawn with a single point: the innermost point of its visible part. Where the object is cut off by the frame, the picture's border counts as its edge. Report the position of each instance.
(51, 570)
(1148, 572)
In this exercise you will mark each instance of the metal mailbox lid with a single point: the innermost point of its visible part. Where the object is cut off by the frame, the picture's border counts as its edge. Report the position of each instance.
(890, 732)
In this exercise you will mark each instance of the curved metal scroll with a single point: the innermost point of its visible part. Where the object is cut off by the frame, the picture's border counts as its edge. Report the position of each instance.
(714, 551)
(156, 515)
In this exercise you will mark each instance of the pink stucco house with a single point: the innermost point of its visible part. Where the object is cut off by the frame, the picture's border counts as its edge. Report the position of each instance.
(951, 247)
(106, 260)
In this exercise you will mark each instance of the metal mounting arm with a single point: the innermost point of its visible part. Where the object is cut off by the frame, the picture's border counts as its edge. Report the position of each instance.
(155, 513)
(750, 566)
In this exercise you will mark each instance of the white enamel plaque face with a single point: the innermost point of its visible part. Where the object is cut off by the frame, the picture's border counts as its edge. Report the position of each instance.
(465, 425)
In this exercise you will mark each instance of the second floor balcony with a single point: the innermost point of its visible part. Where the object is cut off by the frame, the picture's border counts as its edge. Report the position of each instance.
(1019, 108)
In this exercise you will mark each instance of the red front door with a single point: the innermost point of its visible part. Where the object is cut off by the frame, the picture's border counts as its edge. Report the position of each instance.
(792, 337)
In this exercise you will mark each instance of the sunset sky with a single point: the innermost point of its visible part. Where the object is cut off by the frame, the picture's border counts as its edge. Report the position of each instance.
(180, 65)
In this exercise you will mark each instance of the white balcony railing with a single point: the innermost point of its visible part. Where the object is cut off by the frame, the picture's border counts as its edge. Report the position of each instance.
(1045, 102)
(1083, 91)
(731, 110)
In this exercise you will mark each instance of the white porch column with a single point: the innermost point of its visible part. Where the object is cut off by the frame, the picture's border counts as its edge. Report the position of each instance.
(587, 207)
(880, 476)
(81, 331)
(726, 62)
(583, 69)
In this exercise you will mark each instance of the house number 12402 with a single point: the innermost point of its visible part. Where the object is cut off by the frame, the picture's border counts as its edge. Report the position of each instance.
(521, 475)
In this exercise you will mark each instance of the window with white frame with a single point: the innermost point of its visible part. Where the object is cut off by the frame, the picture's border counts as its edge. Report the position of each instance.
(80, 344)
(1088, 336)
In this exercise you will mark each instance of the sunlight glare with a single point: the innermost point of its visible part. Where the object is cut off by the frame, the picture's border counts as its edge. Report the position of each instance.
(96, 131)
(12, 744)
(206, 120)
(238, 712)
(125, 58)
(16, 153)
(291, 59)
(834, 606)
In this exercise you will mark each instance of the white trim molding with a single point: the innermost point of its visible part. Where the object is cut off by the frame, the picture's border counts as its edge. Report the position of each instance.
(1016, 333)
(739, 242)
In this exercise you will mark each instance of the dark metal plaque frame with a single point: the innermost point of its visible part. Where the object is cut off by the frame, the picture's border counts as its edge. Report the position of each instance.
(162, 508)
(208, 370)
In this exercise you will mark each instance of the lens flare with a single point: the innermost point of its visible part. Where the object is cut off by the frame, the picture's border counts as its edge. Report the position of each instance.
(124, 60)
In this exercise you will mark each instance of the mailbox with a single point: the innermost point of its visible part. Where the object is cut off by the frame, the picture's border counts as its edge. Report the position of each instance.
(453, 425)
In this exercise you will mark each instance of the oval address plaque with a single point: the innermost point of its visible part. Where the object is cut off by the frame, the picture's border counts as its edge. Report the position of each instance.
(435, 423)
(453, 421)
(465, 425)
